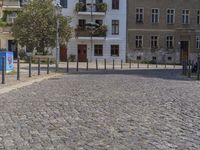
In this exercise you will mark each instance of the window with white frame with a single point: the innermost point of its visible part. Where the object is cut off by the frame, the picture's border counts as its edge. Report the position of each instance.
(11, 17)
(154, 42)
(170, 42)
(198, 17)
(139, 41)
(170, 16)
(139, 15)
(155, 15)
(185, 16)
(198, 42)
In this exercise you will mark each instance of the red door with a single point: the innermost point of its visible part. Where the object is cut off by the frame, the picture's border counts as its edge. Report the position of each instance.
(82, 53)
(63, 53)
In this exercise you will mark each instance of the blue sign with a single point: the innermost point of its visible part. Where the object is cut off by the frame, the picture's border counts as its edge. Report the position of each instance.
(8, 61)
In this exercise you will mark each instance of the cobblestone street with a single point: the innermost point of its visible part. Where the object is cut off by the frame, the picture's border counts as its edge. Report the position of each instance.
(120, 110)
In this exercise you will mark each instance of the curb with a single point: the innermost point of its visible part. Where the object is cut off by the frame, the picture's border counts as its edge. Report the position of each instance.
(26, 83)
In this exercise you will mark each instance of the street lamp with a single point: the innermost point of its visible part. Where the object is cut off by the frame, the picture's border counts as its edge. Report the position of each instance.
(58, 13)
(91, 25)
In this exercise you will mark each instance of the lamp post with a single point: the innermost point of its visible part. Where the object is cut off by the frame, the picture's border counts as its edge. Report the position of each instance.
(58, 13)
(91, 26)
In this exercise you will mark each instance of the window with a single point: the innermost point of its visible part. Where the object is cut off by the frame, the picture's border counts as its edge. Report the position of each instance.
(115, 4)
(99, 22)
(11, 17)
(81, 23)
(115, 27)
(185, 16)
(98, 50)
(154, 42)
(114, 50)
(154, 58)
(139, 41)
(198, 17)
(139, 15)
(138, 58)
(170, 42)
(155, 15)
(63, 3)
(170, 16)
(198, 42)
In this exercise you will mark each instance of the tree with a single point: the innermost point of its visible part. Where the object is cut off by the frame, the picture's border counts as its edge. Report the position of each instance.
(35, 26)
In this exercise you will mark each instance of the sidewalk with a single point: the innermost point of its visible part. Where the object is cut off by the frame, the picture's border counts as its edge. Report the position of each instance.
(11, 79)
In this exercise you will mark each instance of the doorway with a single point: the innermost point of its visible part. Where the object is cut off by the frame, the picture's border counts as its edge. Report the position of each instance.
(63, 53)
(12, 47)
(82, 53)
(184, 48)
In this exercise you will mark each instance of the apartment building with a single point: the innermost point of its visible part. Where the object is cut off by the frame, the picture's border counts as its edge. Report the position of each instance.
(164, 30)
(99, 29)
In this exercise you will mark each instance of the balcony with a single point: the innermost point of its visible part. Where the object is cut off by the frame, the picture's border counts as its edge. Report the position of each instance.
(10, 4)
(98, 33)
(98, 9)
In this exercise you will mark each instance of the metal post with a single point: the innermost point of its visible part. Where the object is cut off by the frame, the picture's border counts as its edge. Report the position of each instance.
(3, 70)
(48, 62)
(189, 68)
(105, 64)
(77, 65)
(18, 68)
(183, 66)
(138, 64)
(156, 63)
(96, 64)
(39, 66)
(30, 66)
(147, 64)
(130, 64)
(113, 64)
(198, 68)
(121, 64)
(87, 64)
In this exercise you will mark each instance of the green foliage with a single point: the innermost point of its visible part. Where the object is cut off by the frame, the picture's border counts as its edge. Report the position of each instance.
(35, 26)
(80, 7)
(102, 7)
(72, 58)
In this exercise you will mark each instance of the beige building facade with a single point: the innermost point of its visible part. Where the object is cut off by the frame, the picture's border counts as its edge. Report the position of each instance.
(163, 31)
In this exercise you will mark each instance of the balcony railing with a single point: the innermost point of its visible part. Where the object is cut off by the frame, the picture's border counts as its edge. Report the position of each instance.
(97, 7)
(11, 4)
(84, 32)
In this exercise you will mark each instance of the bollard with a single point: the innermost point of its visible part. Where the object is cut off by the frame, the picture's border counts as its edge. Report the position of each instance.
(186, 65)
(67, 70)
(38, 66)
(147, 64)
(105, 64)
(138, 64)
(198, 68)
(18, 68)
(48, 62)
(156, 64)
(77, 65)
(87, 64)
(113, 64)
(189, 69)
(121, 64)
(30, 67)
(130, 64)
(3, 70)
(183, 63)
(96, 64)
(174, 65)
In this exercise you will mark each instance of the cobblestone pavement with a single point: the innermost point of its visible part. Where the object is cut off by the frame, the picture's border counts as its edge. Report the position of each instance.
(129, 110)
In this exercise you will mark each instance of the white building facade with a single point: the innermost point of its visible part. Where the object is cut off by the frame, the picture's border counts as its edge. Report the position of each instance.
(100, 28)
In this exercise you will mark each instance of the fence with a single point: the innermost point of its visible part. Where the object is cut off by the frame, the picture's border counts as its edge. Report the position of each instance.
(100, 64)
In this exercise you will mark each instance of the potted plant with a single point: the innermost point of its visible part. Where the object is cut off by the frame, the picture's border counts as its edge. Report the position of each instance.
(80, 7)
(102, 7)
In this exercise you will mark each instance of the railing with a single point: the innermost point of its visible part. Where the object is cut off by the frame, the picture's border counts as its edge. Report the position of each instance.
(84, 32)
(97, 7)
(10, 3)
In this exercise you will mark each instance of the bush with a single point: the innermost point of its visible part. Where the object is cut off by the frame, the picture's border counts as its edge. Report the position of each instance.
(22, 54)
(72, 58)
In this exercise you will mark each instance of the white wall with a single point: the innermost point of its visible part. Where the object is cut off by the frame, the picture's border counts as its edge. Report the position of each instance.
(107, 19)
